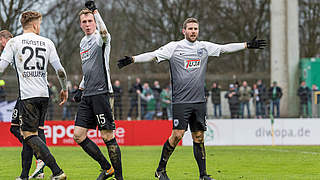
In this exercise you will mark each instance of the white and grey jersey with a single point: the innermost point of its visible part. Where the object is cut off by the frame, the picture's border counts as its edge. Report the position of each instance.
(188, 64)
(94, 54)
(30, 55)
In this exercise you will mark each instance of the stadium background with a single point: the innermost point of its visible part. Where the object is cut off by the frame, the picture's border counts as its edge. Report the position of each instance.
(144, 25)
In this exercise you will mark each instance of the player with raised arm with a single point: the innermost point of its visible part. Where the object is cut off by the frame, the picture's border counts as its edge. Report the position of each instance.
(30, 53)
(94, 93)
(5, 36)
(188, 62)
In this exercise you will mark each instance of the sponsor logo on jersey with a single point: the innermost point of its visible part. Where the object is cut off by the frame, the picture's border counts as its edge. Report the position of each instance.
(84, 54)
(191, 64)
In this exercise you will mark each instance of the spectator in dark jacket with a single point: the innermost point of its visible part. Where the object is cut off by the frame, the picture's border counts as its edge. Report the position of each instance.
(275, 94)
(134, 97)
(117, 108)
(304, 93)
(233, 100)
(216, 99)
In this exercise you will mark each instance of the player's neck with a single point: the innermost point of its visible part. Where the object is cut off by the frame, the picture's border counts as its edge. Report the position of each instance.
(189, 42)
(29, 30)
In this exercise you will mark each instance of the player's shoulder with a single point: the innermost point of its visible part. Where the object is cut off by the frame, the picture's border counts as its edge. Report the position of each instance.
(207, 44)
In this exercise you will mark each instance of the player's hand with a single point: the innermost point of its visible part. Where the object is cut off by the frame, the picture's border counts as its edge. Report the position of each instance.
(256, 44)
(78, 95)
(125, 61)
(63, 97)
(90, 5)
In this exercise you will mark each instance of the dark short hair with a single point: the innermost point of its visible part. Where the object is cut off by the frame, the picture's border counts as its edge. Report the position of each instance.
(28, 16)
(189, 20)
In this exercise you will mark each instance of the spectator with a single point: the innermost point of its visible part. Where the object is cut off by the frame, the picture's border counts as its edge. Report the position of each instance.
(156, 93)
(151, 104)
(66, 110)
(53, 98)
(216, 99)
(275, 94)
(73, 104)
(117, 108)
(134, 97)
(3, 93)
(304, 93)
(233, 100)
(166, 103)
(144, 103)
(244, 97)
(260, 103)
(255, 94)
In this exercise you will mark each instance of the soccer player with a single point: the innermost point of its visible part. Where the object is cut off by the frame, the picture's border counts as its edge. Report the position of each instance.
(5, 36)
(188, 62)
(95, 107)
(30, 54)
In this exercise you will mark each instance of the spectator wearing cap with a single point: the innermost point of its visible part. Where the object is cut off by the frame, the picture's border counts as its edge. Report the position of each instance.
(233, 99)
(275, 94)
(304, 93)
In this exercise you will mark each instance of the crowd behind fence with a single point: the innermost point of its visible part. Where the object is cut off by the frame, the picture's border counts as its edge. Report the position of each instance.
(148, 101)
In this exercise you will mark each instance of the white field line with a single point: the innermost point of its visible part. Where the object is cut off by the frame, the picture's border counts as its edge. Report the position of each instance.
(287, 150)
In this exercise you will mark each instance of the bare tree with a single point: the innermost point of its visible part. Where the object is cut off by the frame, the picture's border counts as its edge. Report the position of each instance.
(309, 11)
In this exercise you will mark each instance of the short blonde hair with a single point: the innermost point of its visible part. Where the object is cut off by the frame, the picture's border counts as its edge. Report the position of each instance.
(189, 20)
(28, 16)
(6, 34)
(85, 11)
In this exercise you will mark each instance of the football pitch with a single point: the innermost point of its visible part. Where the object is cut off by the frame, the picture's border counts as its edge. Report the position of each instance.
(223, 163)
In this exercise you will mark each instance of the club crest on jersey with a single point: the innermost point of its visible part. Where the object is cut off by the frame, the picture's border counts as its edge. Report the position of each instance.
(192, 63)
(200, 52)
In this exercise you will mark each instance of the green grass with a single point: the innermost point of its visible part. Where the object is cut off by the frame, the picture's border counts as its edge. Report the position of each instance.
(223, 162)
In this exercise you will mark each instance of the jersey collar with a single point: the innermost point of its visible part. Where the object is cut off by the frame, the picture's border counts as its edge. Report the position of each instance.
(190, 43)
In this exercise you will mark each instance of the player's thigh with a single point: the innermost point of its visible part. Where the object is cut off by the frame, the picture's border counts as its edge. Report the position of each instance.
(85, 116)
(103, 113)
(198, 119)
(30, 113)
(181, 116)
(15, 115)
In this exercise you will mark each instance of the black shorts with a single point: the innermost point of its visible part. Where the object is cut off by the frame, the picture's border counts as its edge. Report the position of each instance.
(32, 113)
(95, 111)
(190, 113)
(15, 114)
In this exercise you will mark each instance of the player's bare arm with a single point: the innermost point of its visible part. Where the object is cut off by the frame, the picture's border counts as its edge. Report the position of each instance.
(62, 76)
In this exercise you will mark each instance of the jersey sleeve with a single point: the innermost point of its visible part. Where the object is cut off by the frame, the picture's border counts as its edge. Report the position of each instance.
(8, 52)
(212, 48)
(165, 52)
(53, 55)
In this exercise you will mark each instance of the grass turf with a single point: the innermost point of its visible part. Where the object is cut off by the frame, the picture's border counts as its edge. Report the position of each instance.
(223, 163)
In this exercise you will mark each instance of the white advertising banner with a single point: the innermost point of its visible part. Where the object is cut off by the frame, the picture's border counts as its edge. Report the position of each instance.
(6, 109)
(259, 132)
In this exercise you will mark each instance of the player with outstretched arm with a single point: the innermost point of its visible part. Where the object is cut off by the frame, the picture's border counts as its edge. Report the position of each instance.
(188, 62)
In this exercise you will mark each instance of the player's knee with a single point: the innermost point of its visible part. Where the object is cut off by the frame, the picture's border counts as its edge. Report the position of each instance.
(107, 135)
(78, 138)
